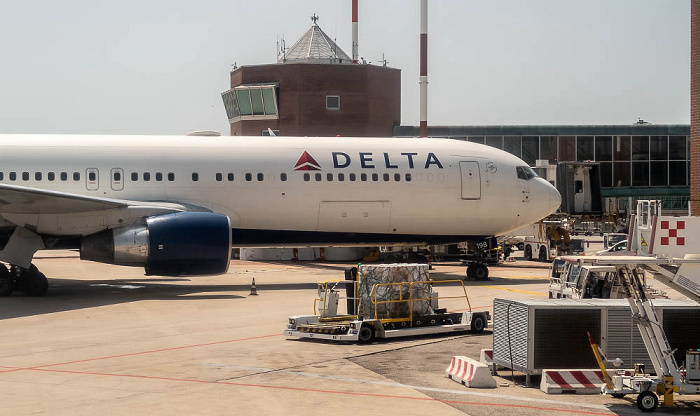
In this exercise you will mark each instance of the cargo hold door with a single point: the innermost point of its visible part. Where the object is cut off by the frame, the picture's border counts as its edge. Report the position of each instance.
(471, 180)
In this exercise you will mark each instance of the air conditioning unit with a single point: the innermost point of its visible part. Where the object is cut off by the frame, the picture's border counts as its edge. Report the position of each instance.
(531, 335)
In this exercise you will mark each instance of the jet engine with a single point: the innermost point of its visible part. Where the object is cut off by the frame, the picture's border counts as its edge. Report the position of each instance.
(183, 243)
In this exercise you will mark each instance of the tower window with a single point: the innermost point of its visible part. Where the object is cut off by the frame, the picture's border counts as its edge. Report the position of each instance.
(332, 102)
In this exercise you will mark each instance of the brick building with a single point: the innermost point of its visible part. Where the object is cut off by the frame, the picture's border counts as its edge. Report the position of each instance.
(695, 107)
(314, 90)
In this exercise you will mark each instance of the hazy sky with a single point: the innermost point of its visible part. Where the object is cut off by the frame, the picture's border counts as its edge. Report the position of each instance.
(159, 67)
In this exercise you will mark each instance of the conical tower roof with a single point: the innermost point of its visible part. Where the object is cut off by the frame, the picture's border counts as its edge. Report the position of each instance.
(315, 47)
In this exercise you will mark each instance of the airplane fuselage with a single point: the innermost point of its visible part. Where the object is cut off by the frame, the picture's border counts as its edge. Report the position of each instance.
(286, 191)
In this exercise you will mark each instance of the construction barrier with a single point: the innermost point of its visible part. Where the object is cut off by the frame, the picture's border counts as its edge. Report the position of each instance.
(572, 381)
(470, 372)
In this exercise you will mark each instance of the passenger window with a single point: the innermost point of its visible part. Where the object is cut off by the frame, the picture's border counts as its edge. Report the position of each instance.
(397, 177)
(2, 176)
(307, 177)
(76, 176)
(248, 177)
(341, 177)
(134, 176)
(159, 176)
(195, 176)
(171, 177)
(92, 176)
(318, 177)
(352, 177)
(230, 177)
(37, 176)
(283, 177)
(13, 176)
(116, 176)
(64, 176)
(386, 177)
(25, 176)
(146, 176)
(408, 177)
(260, 177)
(375, 177)
(329, 177)
(363, 177)
(219, 177)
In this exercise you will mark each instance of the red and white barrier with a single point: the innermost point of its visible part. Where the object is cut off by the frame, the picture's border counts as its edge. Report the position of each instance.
(470, 372)
(572, 381)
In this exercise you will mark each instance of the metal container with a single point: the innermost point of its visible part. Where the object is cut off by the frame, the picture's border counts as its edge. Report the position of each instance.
(531, 335)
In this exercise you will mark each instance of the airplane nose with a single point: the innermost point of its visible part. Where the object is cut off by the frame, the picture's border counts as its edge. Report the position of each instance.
(554, 199)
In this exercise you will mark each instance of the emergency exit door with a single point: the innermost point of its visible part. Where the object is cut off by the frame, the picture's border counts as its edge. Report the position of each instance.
(471, 180)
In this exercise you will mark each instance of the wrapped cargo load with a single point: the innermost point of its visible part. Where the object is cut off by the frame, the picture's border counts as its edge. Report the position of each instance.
(391, 297)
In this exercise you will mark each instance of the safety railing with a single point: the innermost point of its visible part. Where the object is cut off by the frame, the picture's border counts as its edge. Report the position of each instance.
(321, 305)
(411, 299)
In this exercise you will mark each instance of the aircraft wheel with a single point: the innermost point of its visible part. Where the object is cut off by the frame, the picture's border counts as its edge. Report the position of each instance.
(366, 334)
(647, 401)
(34, 282)
(479, 271)
(543, 253)
(528, 253)
(7, 282)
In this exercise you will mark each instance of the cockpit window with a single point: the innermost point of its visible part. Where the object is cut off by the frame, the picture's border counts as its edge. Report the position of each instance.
(525, 172)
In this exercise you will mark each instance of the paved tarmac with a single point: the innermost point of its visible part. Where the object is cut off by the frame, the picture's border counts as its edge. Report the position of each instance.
(109, 340)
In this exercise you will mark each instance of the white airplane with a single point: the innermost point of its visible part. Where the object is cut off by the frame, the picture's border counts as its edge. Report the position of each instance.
(176, 205)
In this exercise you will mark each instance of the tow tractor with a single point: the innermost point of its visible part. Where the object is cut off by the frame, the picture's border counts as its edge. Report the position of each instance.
(664, 244)
(379, 306)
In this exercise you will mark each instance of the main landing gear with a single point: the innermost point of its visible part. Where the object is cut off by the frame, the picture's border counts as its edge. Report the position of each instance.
(30, 281)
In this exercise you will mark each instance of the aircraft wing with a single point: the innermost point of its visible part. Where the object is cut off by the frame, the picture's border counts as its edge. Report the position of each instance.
(26, 200)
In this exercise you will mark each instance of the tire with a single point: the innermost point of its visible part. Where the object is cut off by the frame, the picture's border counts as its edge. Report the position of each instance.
(7, 282)
(478, 323)
(481, 272)
(366, 334)
(543, 254)
(647, 401)
(521, 246)
(470, 271)
(35, 283)
(528, 253)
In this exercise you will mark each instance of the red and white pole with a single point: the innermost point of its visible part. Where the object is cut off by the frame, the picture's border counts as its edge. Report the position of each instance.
(423, 68)
(355, 54)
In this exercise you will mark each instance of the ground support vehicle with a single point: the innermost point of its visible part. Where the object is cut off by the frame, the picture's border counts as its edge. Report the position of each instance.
(670, 377)
(392, 309)
(547, 250)
(610, 239)
(576, 281)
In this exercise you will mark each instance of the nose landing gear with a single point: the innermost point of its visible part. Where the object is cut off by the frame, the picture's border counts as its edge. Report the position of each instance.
(30, 281)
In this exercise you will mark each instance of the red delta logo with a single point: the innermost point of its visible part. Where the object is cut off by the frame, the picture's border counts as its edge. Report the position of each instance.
(673, 237)
(307, 162)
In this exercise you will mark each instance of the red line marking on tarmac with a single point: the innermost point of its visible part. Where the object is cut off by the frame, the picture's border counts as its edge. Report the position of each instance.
(137, 353)
(348, 393)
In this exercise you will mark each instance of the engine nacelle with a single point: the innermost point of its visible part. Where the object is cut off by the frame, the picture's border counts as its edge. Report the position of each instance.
(183, 243)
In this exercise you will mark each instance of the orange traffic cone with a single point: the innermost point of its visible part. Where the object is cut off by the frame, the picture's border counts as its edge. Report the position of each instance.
(253, 290)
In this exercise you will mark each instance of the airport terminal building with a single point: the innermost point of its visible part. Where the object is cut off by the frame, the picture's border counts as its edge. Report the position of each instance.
(637, 161)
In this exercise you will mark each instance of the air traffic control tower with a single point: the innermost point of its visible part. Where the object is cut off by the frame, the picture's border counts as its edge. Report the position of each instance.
(314, 89)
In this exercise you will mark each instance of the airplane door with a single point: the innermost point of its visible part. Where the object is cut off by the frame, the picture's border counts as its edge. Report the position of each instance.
(92, 179)
(117, 181)
(471, 180)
